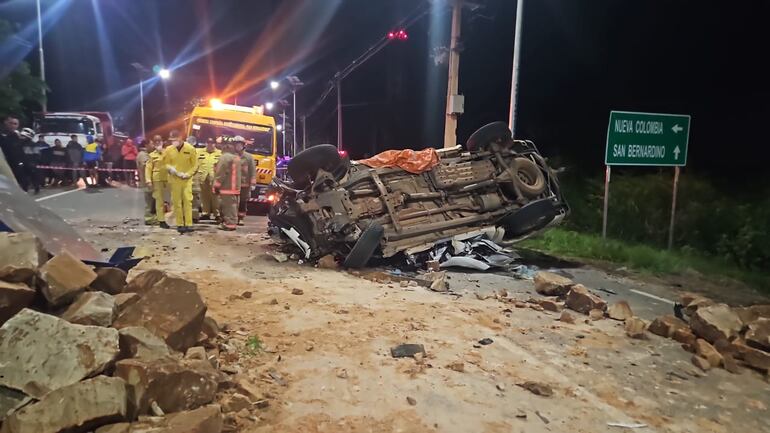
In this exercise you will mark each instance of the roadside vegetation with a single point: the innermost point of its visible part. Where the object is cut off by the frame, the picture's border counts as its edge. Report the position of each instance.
(719, 231)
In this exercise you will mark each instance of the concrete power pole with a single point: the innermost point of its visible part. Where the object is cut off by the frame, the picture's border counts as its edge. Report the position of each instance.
(515, 73)
(42, 56)
(454, 102)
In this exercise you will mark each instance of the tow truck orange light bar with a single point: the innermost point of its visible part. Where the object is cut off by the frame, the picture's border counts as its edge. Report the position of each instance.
(217, 104)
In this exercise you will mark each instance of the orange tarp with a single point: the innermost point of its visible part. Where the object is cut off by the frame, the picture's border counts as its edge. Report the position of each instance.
(413, 161)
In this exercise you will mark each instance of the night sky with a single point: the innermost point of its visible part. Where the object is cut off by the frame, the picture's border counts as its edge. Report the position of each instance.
(580, 60)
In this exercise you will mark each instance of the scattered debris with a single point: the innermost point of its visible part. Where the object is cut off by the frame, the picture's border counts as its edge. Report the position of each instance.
(93, 401)
(636, 327)
(701, 362)
(485, 341)
(758, 334)
(65, 277)
(550, 284)
(596, 314)
(715, 322)
(91, 308)
(620, 311)
(56, 353)
(411, 401)
(278, 256)
(667, 325)
(297, 292)
(707, 351)
(407, 350)
(109, 280)
(566, 317)
(542, 418)
(458, 366)
(551, 305)
(581, 300)
(537, 388)
(328, 262)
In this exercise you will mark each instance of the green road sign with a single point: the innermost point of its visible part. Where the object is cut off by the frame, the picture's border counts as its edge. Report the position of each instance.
(647, 139)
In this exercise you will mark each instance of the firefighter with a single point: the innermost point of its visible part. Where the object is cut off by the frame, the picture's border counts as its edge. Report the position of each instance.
(156, 176)
(248, 177)
(142, 158)
(181, 161)
(227, 185)
(207, 161)
(196, 186)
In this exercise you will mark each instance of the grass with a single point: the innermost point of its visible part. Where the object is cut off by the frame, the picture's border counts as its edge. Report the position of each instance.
(566, 243)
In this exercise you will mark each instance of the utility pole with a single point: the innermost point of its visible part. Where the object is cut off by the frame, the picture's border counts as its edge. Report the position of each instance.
(454, 102)
(304, 132)
(339, 113)
(141, 104)
(42, 57)
(515, 73)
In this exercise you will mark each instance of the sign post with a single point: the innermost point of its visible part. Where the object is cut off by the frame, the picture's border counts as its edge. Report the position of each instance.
(646, 139)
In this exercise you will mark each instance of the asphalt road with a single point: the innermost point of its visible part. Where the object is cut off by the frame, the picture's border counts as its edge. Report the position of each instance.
(648, 299)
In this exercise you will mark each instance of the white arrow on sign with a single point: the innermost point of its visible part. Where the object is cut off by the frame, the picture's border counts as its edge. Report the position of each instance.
(676, 153)
(677, 129)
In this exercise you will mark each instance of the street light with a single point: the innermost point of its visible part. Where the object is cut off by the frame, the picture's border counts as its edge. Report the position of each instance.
(279, 127)
(274, 84)
(269, 105)
(163, 73)
(42, 57)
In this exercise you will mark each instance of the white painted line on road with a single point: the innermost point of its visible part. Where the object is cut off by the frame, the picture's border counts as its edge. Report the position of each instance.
(649, 295)
(58, 194)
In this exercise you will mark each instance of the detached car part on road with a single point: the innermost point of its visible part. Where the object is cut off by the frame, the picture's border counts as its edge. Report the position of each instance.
(333, 206)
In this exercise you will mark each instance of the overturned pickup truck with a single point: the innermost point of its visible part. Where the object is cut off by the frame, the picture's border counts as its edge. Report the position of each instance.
(333, 206)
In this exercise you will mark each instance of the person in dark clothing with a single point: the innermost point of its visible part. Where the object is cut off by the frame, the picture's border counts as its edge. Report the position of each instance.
(31, 160)
(58, 159)
(74, 157)
(44, 158)
(11, 148)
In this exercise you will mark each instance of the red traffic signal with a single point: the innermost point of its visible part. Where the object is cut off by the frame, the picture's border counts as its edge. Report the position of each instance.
(401, 35)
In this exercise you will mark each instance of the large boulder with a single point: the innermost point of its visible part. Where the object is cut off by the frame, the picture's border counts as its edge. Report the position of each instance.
(635, 328)
(174, 384)
(752, 313)
(758, 334)
(207, 419)
(124, 300)
(143, 282)
(138, 342)
(581, 300)
(550, 284)
(692, 301)
(65, 277)
(40, 353)
(665, 326)
(620, 311)
(708, 352)
(755, 358)
(715, 322)
(77, 407)
(173, 310)
(91, 308)
(14, 297)
(109, 280)
(20, 251)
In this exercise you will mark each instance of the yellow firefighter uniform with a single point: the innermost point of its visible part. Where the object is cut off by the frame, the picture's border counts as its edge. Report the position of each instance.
(155, 172)
(207, 161)
(181, 163)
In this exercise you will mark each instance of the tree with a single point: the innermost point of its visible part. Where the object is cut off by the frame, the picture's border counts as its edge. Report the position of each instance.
(18, 87)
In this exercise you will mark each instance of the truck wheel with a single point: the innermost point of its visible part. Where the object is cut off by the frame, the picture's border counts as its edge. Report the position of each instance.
(304, 167)
(528, 219)
(365, 246)
(493, 132)
(529, 177)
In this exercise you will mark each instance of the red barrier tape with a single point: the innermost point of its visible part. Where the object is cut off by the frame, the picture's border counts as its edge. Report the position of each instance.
(57, 167)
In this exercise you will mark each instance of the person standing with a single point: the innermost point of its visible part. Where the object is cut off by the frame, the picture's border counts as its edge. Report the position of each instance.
(11, 163)
(142, 157)
(227, 185)
(45, 155)
(181, 161)
(248, 177)
(31, 159)
(58, 160)
(92, 154)
(156, 176)
(207, 161)
(129, 152)
(75, 157)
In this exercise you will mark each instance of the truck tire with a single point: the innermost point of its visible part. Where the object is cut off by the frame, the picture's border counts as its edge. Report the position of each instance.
(304, 167)
(529, 177)
(365, 246)
(495, 131)
(530, 218)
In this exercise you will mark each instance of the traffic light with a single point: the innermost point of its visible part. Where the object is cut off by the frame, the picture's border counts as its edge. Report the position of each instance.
(400, 35)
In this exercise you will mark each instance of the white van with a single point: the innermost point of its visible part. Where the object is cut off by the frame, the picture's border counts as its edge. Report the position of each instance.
(50, 126)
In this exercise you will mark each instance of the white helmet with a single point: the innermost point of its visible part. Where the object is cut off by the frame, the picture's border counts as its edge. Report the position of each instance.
(27, 133)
